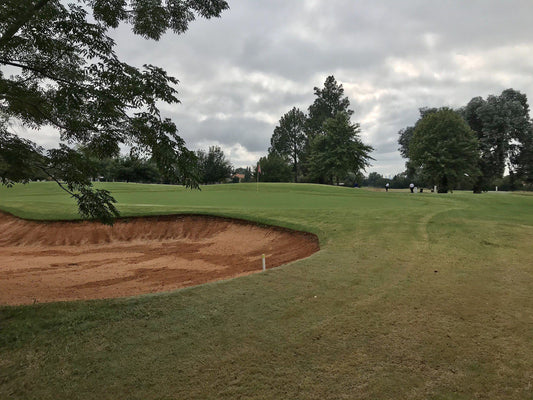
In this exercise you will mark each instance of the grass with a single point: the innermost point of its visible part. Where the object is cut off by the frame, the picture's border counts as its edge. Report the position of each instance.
(420, 296)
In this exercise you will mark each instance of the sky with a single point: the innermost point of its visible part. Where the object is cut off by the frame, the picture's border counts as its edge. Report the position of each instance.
(240, 73)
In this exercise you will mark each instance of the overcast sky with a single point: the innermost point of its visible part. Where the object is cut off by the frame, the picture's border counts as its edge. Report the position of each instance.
(240, 73)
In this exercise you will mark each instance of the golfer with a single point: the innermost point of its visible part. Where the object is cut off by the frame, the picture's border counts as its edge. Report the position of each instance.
(412, 187)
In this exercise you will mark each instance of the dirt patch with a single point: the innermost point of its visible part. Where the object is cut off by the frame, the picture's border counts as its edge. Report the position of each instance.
(58, 261)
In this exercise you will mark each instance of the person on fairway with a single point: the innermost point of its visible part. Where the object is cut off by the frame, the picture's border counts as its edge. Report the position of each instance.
(387, 187)
(412, 187)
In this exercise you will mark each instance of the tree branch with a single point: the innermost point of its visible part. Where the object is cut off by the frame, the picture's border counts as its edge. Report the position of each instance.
(56, 180)
(21, 20)
(37, 109)
(33, 69)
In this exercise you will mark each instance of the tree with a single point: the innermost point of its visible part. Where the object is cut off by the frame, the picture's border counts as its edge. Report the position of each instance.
(69, 77)
(274, 168)
(400, 181)
(406, 134)
(289, 139)
(329, 101)
(445, 148)
(338, 150)
(503, 129)
(353, 179)
(132, 169)
(375, 180)
(524, 159)
(213, 165)
(504, 134)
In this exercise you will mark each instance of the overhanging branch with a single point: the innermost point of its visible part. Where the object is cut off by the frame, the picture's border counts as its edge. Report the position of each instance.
(21, 21)
(33, 69)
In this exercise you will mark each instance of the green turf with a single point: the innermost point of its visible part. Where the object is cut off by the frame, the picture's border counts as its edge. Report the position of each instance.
(420, 296)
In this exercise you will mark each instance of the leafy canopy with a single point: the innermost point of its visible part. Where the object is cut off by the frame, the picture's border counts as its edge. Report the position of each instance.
(329, 101)
(289, 138)
(213, 166)
(503, 129)
(339, 150)
(444, 148)
(59, 69)
(504, 133)
(324, 146)
(274, 168)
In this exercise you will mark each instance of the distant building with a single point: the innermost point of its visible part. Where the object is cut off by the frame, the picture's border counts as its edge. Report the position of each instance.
(238, 178)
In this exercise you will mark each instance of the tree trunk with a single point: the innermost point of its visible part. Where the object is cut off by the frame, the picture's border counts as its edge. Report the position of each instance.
(443, 185)
(478, 185)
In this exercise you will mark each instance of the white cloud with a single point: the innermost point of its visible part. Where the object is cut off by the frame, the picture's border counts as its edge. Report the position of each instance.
(404, 68)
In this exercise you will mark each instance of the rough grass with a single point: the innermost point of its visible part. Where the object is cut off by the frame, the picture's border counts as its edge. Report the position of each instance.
(420, 296)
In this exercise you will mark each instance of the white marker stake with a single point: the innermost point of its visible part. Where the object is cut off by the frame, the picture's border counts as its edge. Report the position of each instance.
(264, 263)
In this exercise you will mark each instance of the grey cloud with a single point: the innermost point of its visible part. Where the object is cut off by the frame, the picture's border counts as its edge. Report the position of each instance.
(252, 134)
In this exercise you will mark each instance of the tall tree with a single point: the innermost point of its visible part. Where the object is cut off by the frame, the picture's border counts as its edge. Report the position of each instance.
(213, 165)
(289, 138)
(503, 129)
(338, 150)
(524, 159)
(329, 101)
(444, 148)
(68, 76)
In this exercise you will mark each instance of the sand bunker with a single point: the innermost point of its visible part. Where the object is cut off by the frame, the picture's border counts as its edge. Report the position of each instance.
(55, 261)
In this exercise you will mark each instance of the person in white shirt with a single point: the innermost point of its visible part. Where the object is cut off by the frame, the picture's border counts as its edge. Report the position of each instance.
(412, 187)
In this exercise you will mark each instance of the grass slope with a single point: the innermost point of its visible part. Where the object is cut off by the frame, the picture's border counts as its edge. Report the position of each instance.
(412, 296)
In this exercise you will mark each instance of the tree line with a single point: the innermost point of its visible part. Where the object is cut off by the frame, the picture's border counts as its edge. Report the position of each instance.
(208, 167)
(472, 147)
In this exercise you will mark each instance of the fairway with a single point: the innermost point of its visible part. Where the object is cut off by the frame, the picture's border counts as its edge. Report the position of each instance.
(418, 296)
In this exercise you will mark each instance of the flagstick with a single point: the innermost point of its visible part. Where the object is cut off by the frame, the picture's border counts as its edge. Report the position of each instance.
(258, 170)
